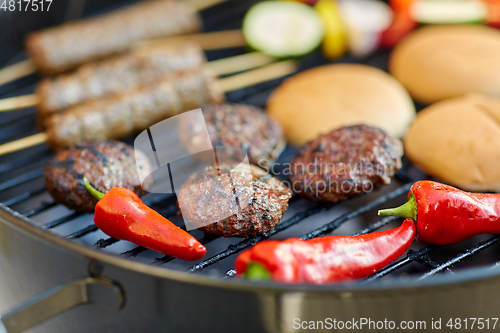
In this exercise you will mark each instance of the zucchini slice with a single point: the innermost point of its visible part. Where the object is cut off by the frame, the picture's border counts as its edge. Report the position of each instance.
(282, 29)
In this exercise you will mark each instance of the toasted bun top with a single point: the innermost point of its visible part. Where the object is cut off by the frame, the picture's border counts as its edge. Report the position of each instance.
(439, 62)
(324, 98)
(458, 141)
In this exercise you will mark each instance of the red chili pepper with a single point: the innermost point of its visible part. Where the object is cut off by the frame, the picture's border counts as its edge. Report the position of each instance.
(402, 23)
(121, 214)
(446, 215)
(328, 259)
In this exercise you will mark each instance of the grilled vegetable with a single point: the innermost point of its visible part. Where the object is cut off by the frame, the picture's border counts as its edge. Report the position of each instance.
(446, 215)
(282, 29)
(365, 21)
(114, 76)
(116, 117)
(335, 41)
(402, 23)
(329, 259)
(122, 215)
(106, 164)
(448, 11)
(58, 49)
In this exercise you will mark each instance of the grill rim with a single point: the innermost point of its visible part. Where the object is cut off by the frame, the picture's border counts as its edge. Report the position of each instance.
(465, 275)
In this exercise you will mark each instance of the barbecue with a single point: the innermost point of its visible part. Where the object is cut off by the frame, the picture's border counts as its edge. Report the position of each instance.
(62, 259)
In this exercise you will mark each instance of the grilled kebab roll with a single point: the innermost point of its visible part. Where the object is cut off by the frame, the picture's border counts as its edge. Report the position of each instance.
(118, 116)
(105, 164)
(115, 75)
(237, 125)
(345, 162)
(58, 49)
(240, 200)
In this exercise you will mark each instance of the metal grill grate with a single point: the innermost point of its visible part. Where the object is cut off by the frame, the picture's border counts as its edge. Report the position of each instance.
(22, 189)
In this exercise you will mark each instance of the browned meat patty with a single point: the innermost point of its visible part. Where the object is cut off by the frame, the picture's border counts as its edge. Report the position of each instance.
(239, 201)
(106, 164)
(345, 162)
(237, 125)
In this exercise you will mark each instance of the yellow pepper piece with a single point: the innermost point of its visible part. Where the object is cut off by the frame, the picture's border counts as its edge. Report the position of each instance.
(335, 40)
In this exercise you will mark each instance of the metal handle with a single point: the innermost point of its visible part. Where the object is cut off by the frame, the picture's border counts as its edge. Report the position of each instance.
(59, 299)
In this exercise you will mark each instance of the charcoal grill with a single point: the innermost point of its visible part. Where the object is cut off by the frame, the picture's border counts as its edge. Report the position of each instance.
(58, 259)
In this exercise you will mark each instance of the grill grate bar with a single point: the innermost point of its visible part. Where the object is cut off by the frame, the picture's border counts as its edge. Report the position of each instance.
(366, 208)
(134, 252)
(462, 256)
(87, 230)
(39, 209)
(377, 225)
(429, 263)
(20, 162)
(410, 257)
(21, 179)
(62, 220)
(22, 197)
(246, 243)
(102, 243)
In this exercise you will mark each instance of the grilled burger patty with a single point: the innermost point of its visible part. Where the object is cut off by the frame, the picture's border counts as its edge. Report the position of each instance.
(106, 164)
(345, 162)
(115, 75)
(237, 125)
(241, 201)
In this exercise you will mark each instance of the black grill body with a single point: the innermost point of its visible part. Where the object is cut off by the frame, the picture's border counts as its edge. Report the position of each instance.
(43, 244)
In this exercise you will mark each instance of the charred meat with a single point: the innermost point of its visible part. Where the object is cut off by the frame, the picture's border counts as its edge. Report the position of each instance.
(345, 162)
(106, 164)
(233, 200)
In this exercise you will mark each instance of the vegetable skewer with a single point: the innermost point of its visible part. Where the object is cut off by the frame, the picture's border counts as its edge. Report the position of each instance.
(121, 116)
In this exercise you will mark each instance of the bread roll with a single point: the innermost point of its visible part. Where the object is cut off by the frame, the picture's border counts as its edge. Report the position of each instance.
(328, 97)
(458, 141)
(439, 62)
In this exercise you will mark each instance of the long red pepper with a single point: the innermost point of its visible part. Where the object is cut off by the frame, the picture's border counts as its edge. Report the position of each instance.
(446, 215)
(328, 259)
(121, 214)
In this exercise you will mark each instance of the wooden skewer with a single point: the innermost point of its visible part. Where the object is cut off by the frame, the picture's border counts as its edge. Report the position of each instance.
(199, 5)
(207, 41)
(237, 81)
(29, 141)
(16, 71)
(220, 67)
